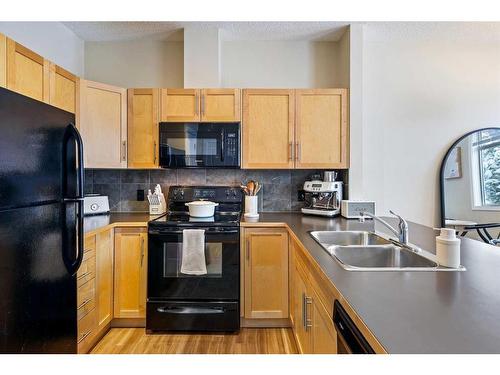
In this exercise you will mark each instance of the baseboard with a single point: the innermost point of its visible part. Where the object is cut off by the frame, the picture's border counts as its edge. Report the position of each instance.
(265, 323)
(128, 323)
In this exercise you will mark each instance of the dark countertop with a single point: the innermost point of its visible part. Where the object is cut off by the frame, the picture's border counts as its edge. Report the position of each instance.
(415, 312)
(408, 312)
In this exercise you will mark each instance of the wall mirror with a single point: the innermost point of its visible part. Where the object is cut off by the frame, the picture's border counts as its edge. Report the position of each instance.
(470, 185)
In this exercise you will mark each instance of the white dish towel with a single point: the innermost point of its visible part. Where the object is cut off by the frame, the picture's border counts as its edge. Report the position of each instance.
(193, 252)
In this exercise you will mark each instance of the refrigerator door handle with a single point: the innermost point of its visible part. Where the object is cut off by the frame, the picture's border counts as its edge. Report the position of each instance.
(72, 133)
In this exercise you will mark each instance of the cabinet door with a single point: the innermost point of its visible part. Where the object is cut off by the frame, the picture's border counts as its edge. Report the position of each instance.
(3, 60)
(143, 128)
(266, 265)
(268, 129)
(324, 336)
(103, 125)
(27, 72)
(104, 259)
(130, 273)
(321, 128)
(220, 105)
(64, 89)
(179, 105)
(300, 294)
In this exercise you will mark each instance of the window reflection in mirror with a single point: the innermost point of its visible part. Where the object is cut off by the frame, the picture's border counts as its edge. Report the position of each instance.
(470, 181)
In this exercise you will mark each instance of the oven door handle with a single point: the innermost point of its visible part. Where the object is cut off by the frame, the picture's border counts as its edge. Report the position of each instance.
(191, 310)
(207, 232)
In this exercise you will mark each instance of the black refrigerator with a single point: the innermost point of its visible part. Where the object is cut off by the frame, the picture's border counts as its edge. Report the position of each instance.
(41, 226)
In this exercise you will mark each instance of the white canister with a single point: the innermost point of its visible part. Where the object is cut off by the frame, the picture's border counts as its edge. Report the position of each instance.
(448, 248)
(251, 204)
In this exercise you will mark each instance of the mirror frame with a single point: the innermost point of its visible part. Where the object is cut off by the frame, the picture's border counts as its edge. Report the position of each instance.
(441, 170)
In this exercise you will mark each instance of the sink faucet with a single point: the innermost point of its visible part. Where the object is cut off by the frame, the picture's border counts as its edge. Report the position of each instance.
(401, 232)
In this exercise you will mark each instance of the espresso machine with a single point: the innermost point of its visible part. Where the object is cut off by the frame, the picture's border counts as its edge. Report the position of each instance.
(323, 197)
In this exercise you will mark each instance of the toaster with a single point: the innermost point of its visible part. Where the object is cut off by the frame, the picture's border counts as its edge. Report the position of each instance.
(352, 209)
(95, 204)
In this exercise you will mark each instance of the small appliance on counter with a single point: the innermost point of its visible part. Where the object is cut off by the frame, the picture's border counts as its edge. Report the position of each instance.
(157, 204)
(352, 209)
(95, 204)
(322, 197)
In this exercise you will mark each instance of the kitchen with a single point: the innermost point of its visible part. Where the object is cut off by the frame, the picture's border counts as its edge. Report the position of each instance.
(248, 188)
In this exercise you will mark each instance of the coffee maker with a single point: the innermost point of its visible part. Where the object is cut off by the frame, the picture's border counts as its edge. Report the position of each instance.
(323, 197)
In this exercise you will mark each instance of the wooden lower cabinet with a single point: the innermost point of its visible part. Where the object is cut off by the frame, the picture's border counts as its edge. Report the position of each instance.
(312, 324)
(299, 295)
(130, 278)
(266, 273)
(86, 297)
(104, 279)
(95, 289)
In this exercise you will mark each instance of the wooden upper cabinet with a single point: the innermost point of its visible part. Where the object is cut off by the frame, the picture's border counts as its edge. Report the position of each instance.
(104, 278)
(103, 125)
(220, 105)
(27, 72)
(130, 272)
(64, 89)
(3, 60)
(179, 105)
(268, 128)
(143, 116)
(321, 128)
(266, 273)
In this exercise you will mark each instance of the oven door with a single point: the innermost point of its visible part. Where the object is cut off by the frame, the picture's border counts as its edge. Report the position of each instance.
(191, 145)
(222, 254)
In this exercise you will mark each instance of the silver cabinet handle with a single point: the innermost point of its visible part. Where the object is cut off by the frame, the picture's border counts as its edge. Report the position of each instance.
(196, 112)
(290, 151)
(142, 251)
(247, 250)
(202, 105)
(154, 152)
(84, 336)
(308, 324)
(124, 151)
(304, 311)
(298, 153)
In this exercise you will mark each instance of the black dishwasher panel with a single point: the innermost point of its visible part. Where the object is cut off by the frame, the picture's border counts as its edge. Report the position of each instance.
(350, 340)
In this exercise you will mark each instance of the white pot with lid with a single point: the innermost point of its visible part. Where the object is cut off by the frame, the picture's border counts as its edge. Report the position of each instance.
(201, 208)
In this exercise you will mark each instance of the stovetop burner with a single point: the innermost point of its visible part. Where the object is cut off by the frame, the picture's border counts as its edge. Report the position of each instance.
(228, 213)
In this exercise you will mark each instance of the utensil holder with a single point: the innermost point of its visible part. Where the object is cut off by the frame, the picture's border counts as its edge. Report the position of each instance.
(251, 204)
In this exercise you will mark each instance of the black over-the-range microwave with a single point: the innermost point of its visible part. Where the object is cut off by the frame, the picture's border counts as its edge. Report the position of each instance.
(199, 145)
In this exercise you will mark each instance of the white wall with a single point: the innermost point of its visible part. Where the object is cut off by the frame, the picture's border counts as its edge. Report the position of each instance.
(137, 63)
(52, 40)
(202, 60)
(423, 87)
(281, 64)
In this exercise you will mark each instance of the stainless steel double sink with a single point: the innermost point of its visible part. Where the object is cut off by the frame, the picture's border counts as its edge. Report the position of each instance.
(368, 251)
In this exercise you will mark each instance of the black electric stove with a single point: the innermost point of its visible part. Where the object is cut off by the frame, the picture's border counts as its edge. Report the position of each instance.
(209, 302)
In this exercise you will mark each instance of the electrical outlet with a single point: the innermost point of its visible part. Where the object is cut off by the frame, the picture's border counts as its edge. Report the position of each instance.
(301, 195)
(140, 194)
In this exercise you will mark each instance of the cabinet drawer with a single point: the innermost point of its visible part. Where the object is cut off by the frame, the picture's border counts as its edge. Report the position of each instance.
(86, 271)
(86, 297)
(86, 331)
(89, 243)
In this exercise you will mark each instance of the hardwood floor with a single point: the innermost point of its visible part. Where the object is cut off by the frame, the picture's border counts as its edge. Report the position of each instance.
(247, 341)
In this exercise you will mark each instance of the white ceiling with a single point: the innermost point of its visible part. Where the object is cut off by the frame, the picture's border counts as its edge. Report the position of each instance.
(121, 31)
